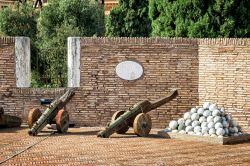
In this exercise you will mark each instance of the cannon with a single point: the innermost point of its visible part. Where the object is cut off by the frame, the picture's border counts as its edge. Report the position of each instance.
(8, 120)
(135, 117)
(55, 113)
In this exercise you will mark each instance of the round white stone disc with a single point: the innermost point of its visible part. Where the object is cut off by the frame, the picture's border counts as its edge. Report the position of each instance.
(129, 70)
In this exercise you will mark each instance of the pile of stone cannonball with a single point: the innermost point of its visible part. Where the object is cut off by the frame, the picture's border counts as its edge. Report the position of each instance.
(208, 120)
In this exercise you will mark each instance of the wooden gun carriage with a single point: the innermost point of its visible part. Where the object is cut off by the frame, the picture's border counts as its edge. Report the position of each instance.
(55, 113)
(135, 117)
(8, 120)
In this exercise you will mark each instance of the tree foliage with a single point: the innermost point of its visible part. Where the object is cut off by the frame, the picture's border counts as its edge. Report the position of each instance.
(129, 19)
(82, 17)
(59, 20)
(49, 31)
(19, 21)
(200, 18)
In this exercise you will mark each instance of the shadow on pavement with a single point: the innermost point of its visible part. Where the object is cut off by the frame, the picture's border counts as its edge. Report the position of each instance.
(132, 135)
(11, 130)
(47, 133)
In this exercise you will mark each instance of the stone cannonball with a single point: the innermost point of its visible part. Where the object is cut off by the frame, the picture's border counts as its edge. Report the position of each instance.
(181, 127)
(193, 110)
(204, 124)
(218, 125)
(220, 131)
(216, 112)
(240, 133)
(211, 131)
(173, 124)
(187, 115)
(195, 123)
(204, 130)
(217, 119)
(222, 111)
(210, 125)
(206, 113)
(236, 130)
(236, 134)
(206, 105)
(225, 124)
(231, 130)
(182, 132)
(197, 129)
(189, 128)
(181, 121)
(188, 122)
(200, 111)
(212, 107)
(210, 119)
(202, 119)
(195, 116)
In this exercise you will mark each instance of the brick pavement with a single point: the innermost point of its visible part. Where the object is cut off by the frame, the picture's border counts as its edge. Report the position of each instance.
(80, 146)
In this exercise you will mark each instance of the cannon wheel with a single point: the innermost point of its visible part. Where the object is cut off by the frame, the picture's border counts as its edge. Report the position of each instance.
(62, 121)
(142, 125)
(114, 117)
(33, 116)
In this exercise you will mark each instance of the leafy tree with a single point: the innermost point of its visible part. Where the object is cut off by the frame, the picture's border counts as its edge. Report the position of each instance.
(200, 18)
(59, 20)
(20, 21)
(85, 15)
(129, 19)
(49, 31)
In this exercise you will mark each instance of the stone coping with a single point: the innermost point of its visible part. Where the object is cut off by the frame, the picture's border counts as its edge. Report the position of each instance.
(213, 140)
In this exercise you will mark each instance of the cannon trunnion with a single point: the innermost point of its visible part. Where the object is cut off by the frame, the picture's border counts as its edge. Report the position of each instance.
(135, 117)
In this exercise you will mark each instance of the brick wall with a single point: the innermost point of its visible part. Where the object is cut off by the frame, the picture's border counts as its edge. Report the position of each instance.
(7, 73)
(224, 75)
(22, 100)
(167, 63)
(7, 62)
(207, 69)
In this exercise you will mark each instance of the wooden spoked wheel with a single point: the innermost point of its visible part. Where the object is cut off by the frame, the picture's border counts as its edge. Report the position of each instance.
(62, 121)
(123, 129)
(142, 125)
(33, 116)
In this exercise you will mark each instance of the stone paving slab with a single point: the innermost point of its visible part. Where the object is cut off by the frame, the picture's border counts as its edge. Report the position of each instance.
(80, 146)
(213, 140)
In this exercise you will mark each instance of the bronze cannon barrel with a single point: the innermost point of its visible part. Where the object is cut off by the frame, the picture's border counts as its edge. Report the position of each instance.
(51, 112)
(127, 117)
